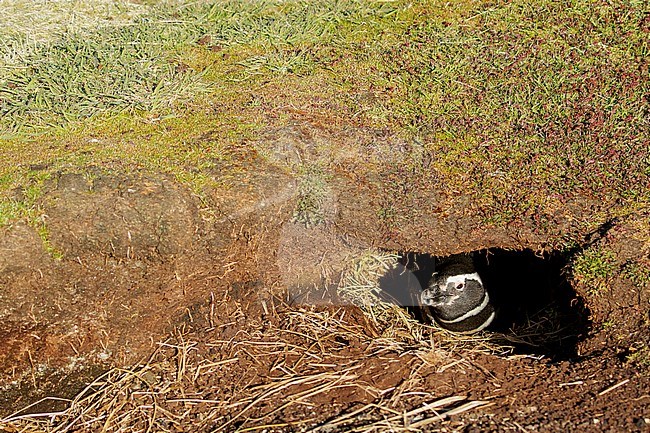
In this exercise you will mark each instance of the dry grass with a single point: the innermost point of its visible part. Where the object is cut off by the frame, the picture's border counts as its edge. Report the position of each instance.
(360, 285)
(28, 23)
(294, 369)
(162, 395)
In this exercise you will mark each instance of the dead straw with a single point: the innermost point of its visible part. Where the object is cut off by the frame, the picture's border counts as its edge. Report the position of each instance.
(279, 374)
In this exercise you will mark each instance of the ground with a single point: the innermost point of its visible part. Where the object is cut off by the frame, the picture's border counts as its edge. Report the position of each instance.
(204, 239)
(238, 344)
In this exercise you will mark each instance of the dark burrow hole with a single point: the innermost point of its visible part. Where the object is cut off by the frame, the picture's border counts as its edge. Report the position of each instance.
(537, 310)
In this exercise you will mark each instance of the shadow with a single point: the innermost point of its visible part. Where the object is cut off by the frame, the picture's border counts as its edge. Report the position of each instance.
(538, 311)
(403, 284)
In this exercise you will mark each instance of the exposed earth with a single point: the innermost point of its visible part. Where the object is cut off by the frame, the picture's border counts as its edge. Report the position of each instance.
(227, 319)
(215, 215)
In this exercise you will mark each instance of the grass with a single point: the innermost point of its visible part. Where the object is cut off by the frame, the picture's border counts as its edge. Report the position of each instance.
(639, 356)
(79, 75)
(21, 203)
(360, 285)
(92, 87)
(41, 22)
(196, 381)
(524, 108)
(594, 268)
(522, 105)
(638, 273)
(77, 71)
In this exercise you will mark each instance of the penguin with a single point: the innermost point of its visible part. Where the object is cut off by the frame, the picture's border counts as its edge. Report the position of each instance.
(455, 297)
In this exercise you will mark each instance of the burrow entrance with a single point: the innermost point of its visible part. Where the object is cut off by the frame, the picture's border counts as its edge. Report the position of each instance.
(538, 311)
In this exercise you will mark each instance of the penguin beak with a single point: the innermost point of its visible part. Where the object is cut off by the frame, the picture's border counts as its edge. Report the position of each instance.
(435, 296)
(439, 298)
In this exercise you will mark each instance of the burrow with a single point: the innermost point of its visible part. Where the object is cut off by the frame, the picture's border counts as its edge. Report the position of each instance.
(538, 310)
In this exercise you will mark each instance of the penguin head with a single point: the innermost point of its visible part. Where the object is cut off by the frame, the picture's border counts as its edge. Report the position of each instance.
(452, 296)
(458, 302)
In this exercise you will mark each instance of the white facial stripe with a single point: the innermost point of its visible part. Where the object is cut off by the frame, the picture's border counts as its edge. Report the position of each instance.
(470, 313)
(457, 279)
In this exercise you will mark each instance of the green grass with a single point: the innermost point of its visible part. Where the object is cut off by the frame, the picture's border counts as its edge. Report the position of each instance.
(525, 108)
(139, 65)
(84, 73)
(312, 195)
(525, 105)
(638, 273)
(21, 202)
(11, 210)
(594, 268)
(83, 85)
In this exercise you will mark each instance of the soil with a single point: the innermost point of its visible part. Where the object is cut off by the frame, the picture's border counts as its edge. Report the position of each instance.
(221, 300)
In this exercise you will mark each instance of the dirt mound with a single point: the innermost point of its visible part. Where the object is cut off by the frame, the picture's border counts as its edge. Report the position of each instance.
(613, 274)
(129, 247)
(120, 216)
(142, 261)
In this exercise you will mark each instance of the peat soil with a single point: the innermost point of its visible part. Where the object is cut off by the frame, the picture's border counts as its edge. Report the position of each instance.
(149, 277)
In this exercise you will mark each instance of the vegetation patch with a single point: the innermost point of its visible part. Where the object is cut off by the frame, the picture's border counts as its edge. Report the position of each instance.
(527, 109)
(594, 268)
(312, 196)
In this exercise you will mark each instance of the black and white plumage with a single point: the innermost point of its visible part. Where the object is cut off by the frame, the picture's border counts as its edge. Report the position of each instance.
(456, 297)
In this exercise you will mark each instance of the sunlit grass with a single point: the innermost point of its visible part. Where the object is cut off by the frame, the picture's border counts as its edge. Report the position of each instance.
(594, 268)
(66, 70)
(522, 107)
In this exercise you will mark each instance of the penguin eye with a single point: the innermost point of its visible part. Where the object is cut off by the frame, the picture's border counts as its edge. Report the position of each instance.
(460, 286)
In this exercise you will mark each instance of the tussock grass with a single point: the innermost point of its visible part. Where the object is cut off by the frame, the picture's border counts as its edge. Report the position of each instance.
(69, 72)
(84, 77)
